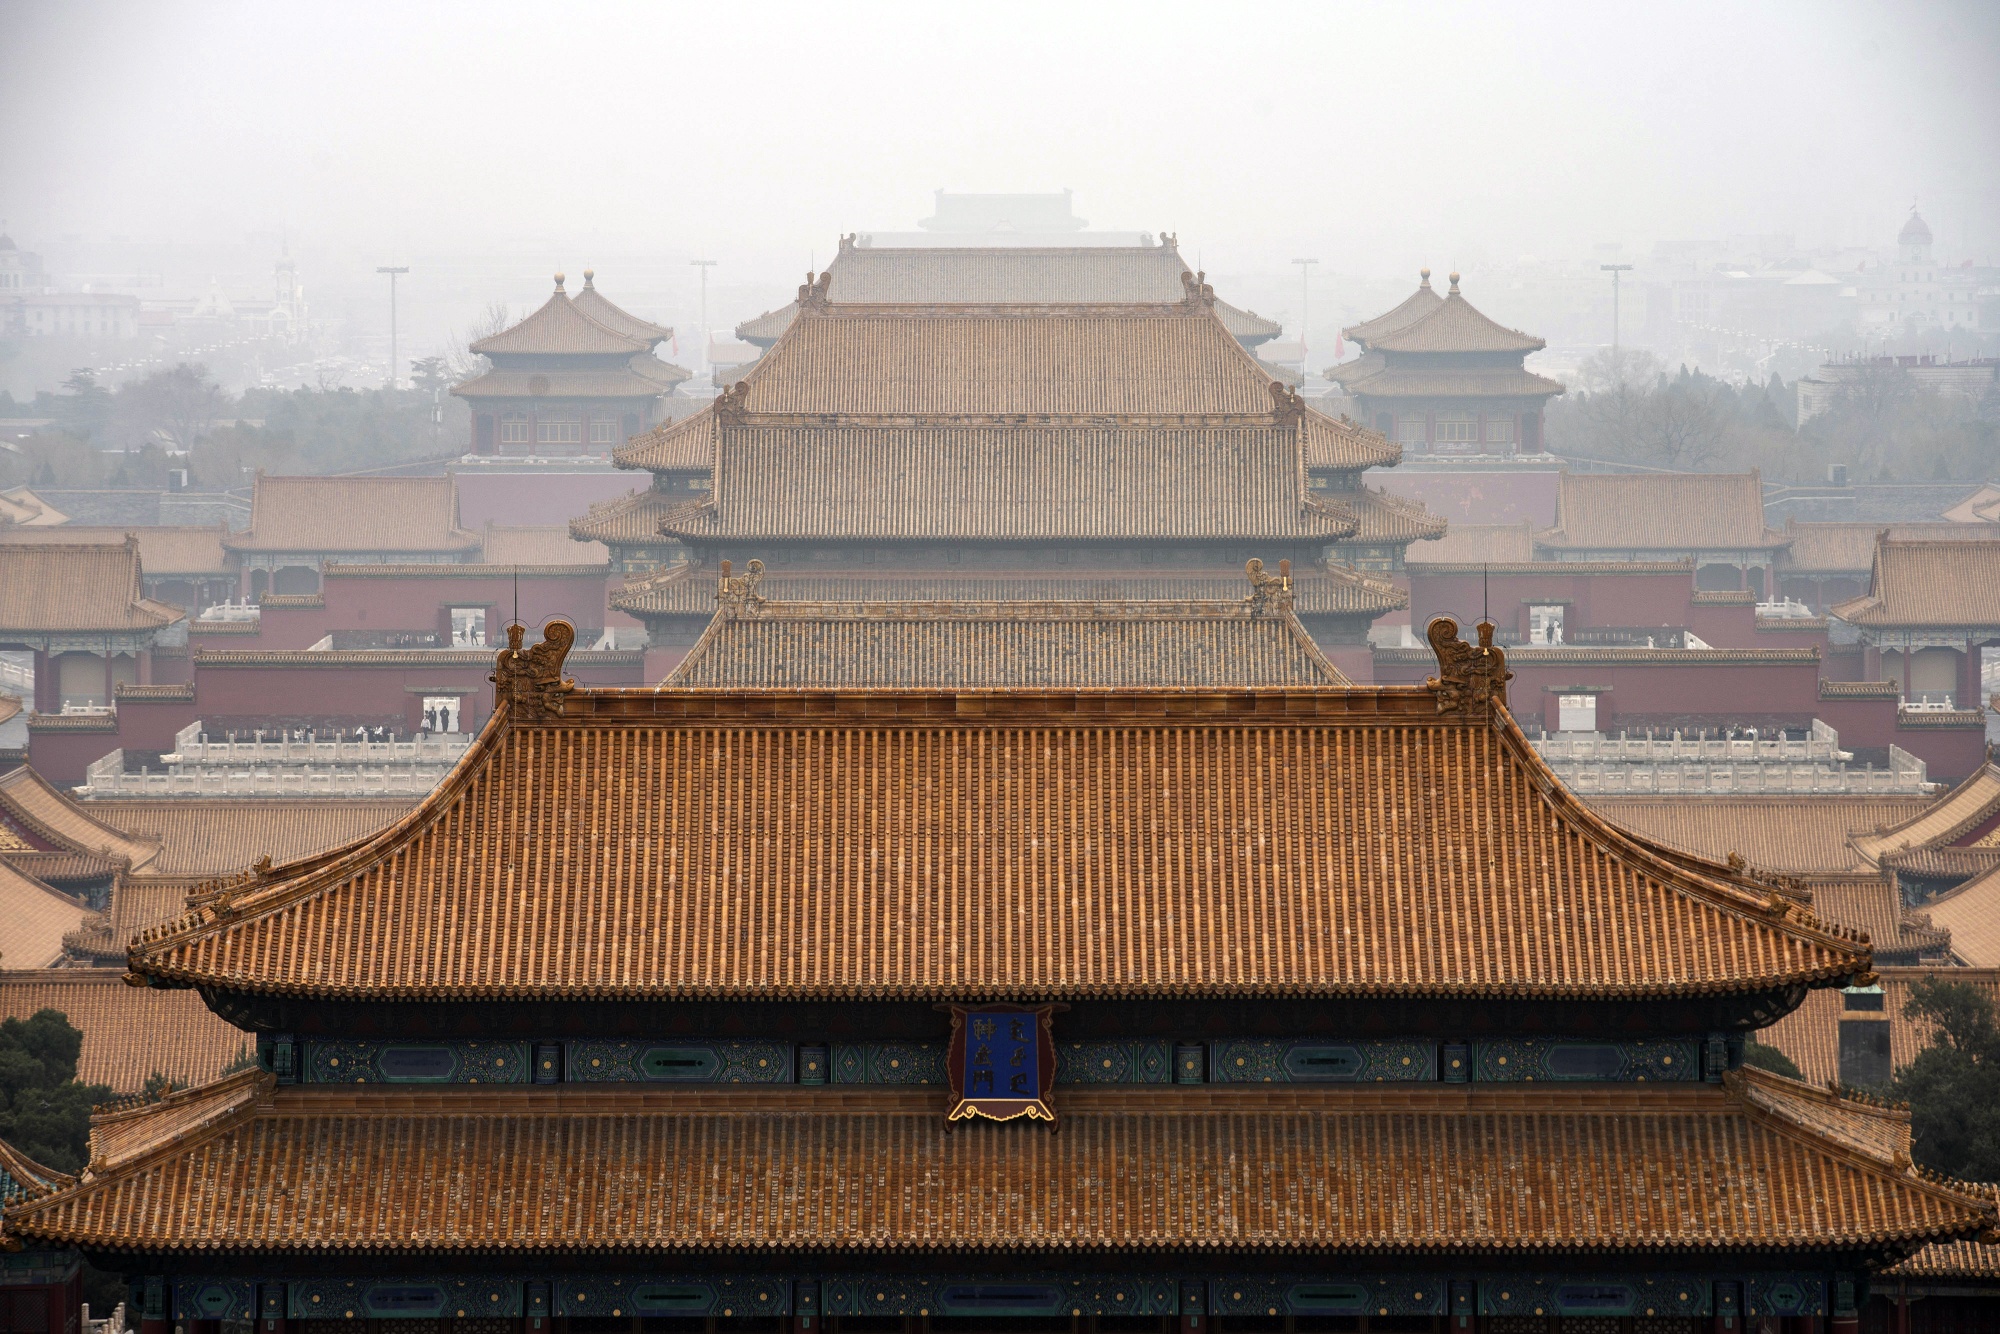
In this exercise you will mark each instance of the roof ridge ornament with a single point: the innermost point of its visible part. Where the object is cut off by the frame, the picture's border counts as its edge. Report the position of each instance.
(1424, 279)
(732, 403)
(1198, 294)
(1454, 283)
(1468, 677)
(530, 681)
(813, 291)
(1269, 593)
(1285, 401)
(738, 595)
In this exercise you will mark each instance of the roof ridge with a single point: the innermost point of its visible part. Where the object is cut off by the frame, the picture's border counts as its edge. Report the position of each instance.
(189, 1113)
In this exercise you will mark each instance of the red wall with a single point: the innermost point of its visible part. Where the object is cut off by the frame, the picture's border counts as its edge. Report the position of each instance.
(1628, 600)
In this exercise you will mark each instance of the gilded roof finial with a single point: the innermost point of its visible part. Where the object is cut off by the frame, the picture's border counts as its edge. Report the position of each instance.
(559, 282)
(1454, 282)
(1468, 677)
(530, 681)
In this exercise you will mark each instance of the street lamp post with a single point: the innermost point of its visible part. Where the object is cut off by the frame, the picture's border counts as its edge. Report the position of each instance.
(1305, 306)
(1614, 270)
(704, 265)
(392, 272)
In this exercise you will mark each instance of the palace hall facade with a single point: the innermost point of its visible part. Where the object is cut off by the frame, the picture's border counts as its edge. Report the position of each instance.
(1297, 1006)
(998, 451)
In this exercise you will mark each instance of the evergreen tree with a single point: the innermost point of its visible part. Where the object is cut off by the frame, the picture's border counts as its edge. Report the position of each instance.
(1953, 1085)
(44, 1112)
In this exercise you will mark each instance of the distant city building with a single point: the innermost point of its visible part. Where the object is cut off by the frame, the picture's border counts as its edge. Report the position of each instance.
(20, 270)
(1438, 377)
(1852, 376)
(69, 315)
(576, 377)
(1917, 293)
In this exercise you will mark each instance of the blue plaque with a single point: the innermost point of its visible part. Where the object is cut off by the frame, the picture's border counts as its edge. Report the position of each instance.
(1001, 1062)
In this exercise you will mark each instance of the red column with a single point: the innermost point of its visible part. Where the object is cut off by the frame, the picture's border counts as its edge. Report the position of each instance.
(46, 700)
(109, 697)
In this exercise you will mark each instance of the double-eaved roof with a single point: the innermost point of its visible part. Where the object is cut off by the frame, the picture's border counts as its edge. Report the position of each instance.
(1930, 583)
(574, 347)
(246, 1167)
(935, 844)
(755, 643)
(1010, 423)
(1007, 275)
(1433, 346)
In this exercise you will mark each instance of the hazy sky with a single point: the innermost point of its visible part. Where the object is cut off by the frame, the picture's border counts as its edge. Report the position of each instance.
(1376, 135)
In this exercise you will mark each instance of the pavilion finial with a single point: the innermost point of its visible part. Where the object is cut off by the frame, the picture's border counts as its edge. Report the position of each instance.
(589, 279)
(530, 681)
(1425, 275)
(1269, 592)
(1468, 677)
(1454, 282)
(735, 596)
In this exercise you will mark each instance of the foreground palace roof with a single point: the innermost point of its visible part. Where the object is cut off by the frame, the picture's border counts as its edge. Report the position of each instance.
(1007, 275)
(1761, 1163)
(1929, 583)
(756, 643)
(1165, 843)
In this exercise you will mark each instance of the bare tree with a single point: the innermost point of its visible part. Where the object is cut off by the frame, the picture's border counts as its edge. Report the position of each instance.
(464, 364)
(175, 406)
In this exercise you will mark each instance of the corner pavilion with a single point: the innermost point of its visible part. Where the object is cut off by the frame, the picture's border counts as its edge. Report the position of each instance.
(1361, 1022)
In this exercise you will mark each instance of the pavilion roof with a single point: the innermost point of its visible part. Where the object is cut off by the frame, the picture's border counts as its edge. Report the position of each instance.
(164, 549)
(1968, 814)
(34, 918)
(644, 376)
(558, 856)
(336, 514)
(77, 588)
(756, 643)
(1449, 382)
(1008, 275)
(626, 519)
(1928, 583)
(1797, 834)
(1407, 312)
(1453, 325)
(594, 305)
(1526, 1169)
(1331, 590)
(1849, 548)
(558, 327)
(130, 1033)
(1677, 511)
(1971, 913)
(53, 820)
(22, 1178)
